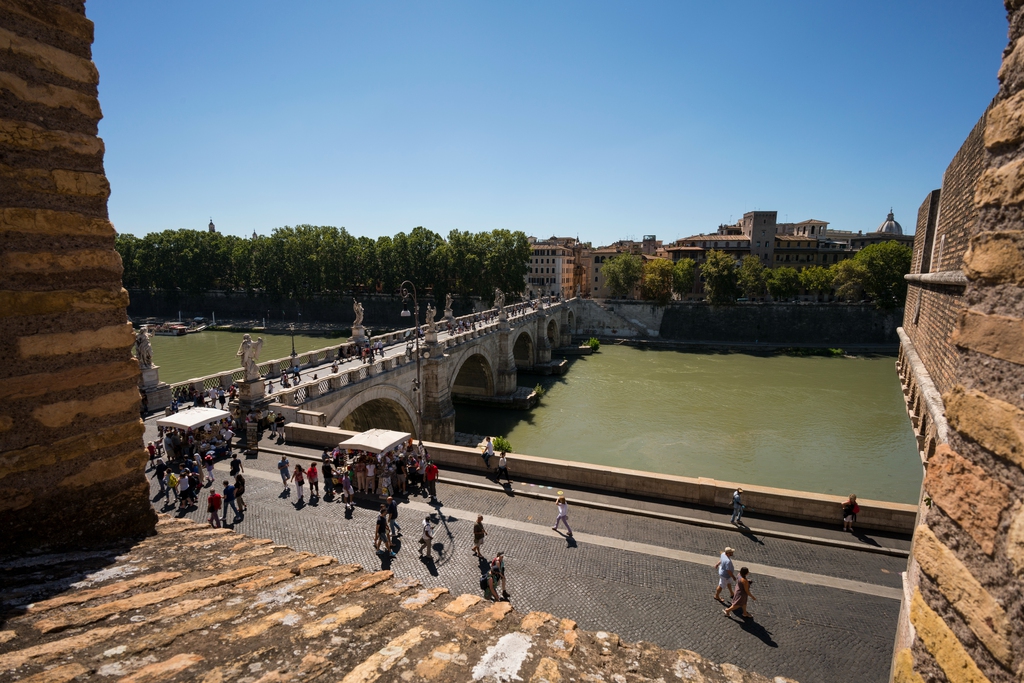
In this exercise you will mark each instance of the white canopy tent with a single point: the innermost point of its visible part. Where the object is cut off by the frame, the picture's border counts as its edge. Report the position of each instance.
(375, 440)
(190, 418)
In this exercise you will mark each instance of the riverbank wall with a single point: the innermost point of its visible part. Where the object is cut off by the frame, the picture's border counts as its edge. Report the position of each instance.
(381, 311)
(804, 505)
(803, 324)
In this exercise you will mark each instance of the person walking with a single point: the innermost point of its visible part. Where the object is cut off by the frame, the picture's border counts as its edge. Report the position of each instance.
(427, 539)
(348, 494)
(431, 475)
(236, 465)
(396, 529)
(488, 452)
(503, 468)
(737, 507)
(159, 474)
(230, 495)
(850, 510)
(284, 469)
(478, 535)
(209, 467)
(563, 515)
(371, 476)
(239, 492)
(299, 477)
(739, 601)
(496, 576)
(213, 509)
(381, 535)
(314, 481)
(726, 575)
(172, 485)
(328, 470)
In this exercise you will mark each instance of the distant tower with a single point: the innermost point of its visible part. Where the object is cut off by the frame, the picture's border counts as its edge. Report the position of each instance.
(212, 228)
(254, 235)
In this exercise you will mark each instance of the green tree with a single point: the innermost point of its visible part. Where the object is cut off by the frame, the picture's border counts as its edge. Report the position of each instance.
(885, 264)
(816, 279)
(782, 283)
(657, 280)
(719, 271)
(750, 277)
(622, 273)
(848, 279)
(683, 275)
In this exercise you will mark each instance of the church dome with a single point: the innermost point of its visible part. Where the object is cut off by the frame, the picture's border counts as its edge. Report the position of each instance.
(890, 226)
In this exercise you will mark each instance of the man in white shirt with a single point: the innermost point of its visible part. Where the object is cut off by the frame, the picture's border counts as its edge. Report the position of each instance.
(726, 574)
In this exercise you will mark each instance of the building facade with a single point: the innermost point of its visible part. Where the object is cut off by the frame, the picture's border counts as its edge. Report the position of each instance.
(554, 268)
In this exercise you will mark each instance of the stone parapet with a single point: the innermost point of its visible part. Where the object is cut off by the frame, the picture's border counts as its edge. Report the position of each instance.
(804, 505)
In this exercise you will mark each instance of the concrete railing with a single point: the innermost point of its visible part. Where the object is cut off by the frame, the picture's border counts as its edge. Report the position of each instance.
(804, 505)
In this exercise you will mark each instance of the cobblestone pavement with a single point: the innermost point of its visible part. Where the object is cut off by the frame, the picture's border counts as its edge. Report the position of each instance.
(806, 632)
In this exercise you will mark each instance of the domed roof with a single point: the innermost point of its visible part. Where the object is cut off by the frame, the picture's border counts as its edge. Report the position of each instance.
(890, 226)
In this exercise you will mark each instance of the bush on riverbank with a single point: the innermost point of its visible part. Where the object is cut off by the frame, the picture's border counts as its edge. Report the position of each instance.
(540, 391)
(502, 444)
(594, 343)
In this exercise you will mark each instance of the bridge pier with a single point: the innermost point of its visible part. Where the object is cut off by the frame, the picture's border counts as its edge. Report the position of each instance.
(437, 422)
(507, 379)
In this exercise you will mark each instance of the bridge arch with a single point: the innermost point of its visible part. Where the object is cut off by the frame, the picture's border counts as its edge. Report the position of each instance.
(523, 349)
(384, 406)
(473, 376)
(552, 333)
(570, 321)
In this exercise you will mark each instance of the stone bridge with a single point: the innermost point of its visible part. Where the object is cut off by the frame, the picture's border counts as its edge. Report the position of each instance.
(479, 364)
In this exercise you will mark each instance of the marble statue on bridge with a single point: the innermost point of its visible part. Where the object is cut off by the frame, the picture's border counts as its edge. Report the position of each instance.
(431, 313)
(249, 352)
(143, 348)
(499, 303)
(358, 308)
(448, 307)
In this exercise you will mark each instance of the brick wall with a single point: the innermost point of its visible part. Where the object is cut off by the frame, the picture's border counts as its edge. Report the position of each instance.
(967, 607)
(71, 458)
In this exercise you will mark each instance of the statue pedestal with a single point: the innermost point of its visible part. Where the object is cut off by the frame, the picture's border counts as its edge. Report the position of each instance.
(358, 335)
(251, 398)
(158, 394)
(251, 391)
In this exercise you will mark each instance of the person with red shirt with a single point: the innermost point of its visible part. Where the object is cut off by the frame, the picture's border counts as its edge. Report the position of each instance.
(314, 481)
(431, 477)
(213, 507)
(850, 510)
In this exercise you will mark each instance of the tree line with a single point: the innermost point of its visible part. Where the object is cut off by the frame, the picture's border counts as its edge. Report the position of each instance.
(875, 272)
(305, 260)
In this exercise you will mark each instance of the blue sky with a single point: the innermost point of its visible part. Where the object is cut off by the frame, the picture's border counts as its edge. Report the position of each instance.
(605, 120)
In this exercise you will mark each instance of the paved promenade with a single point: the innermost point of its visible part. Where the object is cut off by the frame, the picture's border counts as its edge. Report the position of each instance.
(823, 613)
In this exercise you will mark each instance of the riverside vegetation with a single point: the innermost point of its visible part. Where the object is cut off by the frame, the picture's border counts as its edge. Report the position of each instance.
(313, 259)
(875, 273)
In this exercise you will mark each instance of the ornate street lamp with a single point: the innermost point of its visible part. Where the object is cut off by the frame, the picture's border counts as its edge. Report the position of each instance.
(291, 328)
(407, 293)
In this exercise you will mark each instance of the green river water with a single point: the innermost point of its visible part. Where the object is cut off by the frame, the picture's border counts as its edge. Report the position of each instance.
(830, 425)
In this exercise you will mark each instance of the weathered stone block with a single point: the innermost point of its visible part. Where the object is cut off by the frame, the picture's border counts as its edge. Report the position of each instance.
(81, 183)
(996, 425)
(65, 412)
(967, 494)
(59, 262)
(25, 303)
(54, 223)
(1002, 186)
(966, 594)
(996, 257)
(1004, 124)
(51, 95)
(942, 643)
(998, 336)
(1015, 541)
(61, 343)
(50, 58)
(31, 136)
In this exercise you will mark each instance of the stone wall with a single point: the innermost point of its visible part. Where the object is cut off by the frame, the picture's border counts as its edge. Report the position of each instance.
(381, 310)
(71, 453)
(967, 606)
(831, 324)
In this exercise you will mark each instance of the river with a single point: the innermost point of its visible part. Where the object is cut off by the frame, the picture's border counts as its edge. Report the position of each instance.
(830, 425)
(207, 353)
